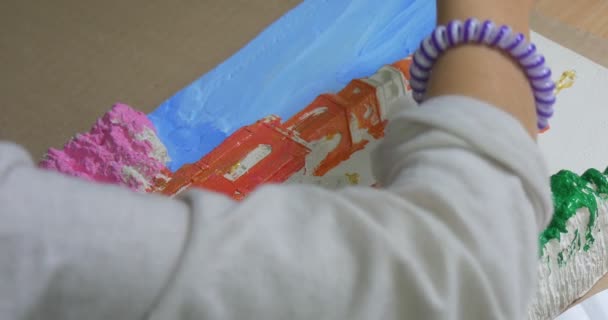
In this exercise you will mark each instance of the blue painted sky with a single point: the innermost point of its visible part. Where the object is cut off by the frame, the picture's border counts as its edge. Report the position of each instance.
(317, 47)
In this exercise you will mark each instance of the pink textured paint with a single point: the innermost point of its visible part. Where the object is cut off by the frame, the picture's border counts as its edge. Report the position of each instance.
(114, 142)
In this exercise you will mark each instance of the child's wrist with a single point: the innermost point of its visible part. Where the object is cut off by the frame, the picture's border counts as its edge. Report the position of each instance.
(482, 72)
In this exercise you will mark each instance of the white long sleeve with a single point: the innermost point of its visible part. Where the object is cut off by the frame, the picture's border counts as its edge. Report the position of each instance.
(452, 236)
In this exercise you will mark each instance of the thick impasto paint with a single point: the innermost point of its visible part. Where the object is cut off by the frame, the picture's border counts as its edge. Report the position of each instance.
(317, 47)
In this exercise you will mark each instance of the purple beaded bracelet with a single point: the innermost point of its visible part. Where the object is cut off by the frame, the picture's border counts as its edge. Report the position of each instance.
(473, 31)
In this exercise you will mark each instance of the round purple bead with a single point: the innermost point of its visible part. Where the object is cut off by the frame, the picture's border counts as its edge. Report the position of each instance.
(466, 30)
(486, 28)
(502, 32)
(530, 50)
(539, 62)
(516, 42)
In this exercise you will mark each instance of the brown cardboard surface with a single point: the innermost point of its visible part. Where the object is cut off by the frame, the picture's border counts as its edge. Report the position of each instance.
(65, 62)
(585, 15)
(592, 44)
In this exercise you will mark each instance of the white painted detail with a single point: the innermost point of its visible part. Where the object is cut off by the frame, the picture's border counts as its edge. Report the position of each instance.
(368, 111)
(162, 176)
(254, 157)
(315, 112)
(337, 178)
(270, 118)
(295, 136)
(390, 85)
(353, 124)
(320, 149)
(359, 162)
(159, 151)
(130, 173)
(182, 189)
(357, 133)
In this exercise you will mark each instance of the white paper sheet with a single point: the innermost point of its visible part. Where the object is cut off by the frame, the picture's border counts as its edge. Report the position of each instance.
(578, 138)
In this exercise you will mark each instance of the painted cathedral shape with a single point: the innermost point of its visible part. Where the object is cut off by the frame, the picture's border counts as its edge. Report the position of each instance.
(312, 142)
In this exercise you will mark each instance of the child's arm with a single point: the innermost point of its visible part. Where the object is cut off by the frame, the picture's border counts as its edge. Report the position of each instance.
(453, 236)
(484, 73)
(70, 249)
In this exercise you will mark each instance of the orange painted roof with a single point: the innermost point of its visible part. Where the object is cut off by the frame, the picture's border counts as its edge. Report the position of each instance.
(404, 67)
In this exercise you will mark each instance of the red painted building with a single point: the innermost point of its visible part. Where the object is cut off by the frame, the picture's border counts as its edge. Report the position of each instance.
(345, 116)
(314, 141)
(253, 155)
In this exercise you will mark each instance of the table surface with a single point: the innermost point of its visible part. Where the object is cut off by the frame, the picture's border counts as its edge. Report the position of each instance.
(587, 15)
(582, 27)
(65, 62)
